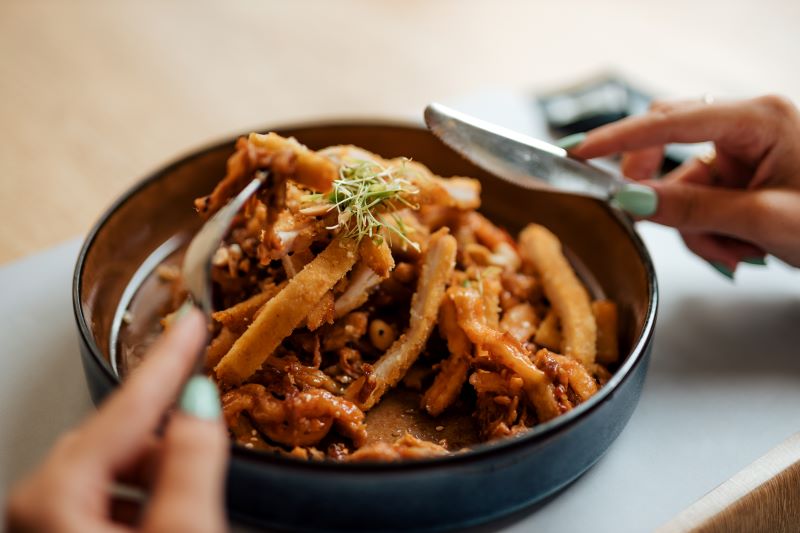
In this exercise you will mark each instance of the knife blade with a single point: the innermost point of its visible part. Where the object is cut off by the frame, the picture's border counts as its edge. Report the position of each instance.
(522, 160)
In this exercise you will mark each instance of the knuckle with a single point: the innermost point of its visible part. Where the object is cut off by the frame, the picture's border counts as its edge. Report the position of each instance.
(776, 104)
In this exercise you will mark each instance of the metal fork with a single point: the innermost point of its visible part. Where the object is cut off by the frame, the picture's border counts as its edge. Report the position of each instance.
(196, 269)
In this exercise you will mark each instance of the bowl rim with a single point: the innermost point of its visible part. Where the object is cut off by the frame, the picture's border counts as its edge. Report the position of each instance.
(531, 437)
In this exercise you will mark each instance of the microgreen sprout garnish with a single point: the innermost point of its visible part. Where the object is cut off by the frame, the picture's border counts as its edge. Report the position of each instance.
(366, 194)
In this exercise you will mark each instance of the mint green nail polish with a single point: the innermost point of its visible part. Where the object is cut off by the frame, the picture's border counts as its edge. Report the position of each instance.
(722, 269)
(571, 141)
(638, 200)
(200, 399)
(183, 310)
(757, 261)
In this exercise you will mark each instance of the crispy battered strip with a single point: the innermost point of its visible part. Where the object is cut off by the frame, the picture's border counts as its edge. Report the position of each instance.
(301, 419)
(362, 281)
(261, 152)
(239, 316)
(387, 372)
(453, 372)
(286, 311)
(220, 346)
(520, 321)
(486, 232)
(465, 193)
(311, 169)
(564, 290)
(505, 350)
(292, 264)
(549, 332)
(376, 256)
(605, 314)
(322, 313)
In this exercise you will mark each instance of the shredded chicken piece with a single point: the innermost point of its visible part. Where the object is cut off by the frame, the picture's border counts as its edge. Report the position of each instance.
(305, 377)
(520, 321)
(567, 295)
(347, 329)
(504, 349)
(437, 268)
(566, 371)
(285, 311)
(301, 419)
(406, 447)
(262, 152)
(362, 282)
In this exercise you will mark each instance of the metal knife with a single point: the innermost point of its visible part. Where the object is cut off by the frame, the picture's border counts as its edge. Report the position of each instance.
(523, 160)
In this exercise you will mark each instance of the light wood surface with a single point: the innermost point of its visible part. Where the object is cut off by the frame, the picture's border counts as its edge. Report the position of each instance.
(761, 498)
(94, 94)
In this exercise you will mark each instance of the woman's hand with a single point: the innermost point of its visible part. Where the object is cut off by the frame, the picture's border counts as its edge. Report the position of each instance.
(183, 471)
(742, 204)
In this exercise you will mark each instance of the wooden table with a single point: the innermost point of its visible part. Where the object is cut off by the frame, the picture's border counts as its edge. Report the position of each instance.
(94, 94)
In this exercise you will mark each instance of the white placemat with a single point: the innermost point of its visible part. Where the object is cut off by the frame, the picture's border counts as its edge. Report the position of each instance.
(723, 386)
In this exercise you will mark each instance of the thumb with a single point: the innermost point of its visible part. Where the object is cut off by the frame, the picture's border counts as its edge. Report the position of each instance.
(189, 489)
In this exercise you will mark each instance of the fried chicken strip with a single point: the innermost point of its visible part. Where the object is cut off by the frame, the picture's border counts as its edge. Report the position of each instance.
(263, 152)
(387, 372)
(566, 293)
(286, 310)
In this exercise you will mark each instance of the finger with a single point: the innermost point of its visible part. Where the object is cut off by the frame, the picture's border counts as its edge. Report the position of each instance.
(689, 123)
(700, 208)
(188, 493)
(693, 171)
(129, 416)
(705, 246)
(721, 250)
(140, 470)
(642, 164)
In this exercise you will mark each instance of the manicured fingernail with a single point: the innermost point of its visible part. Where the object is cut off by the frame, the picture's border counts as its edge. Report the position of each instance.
(757, 261)
(200, 399)
(571, 141)
(722, 269)
(636, 199)
(183, 310)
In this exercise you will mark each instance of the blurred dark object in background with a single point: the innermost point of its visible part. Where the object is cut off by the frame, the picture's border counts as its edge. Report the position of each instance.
(601, 100)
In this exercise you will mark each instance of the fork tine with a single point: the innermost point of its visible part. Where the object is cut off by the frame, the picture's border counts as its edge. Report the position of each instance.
(196, 269)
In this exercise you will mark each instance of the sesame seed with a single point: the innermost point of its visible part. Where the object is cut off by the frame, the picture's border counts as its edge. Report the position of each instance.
(439, 428)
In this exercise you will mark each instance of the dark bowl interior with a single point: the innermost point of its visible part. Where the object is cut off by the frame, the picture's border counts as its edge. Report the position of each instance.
(431, 494)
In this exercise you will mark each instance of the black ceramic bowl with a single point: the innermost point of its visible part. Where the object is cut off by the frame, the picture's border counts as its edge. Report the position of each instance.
(490, 481)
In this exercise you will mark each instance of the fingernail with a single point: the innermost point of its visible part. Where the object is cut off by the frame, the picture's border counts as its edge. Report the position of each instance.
(722, 269)
(636, 199)
(183, 310)
(571, 141)
(757, 261)
(200, 399)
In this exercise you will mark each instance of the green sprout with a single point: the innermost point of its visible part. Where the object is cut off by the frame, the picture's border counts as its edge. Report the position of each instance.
(364, 191)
